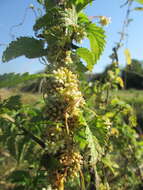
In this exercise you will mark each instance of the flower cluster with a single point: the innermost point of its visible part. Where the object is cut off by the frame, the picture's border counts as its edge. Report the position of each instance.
(63, 94)
(104, 21)
(72, 161)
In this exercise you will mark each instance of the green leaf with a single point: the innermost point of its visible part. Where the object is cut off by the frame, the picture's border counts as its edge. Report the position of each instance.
(81, 4)
(94, 46)
(49, 4)
(96, 36)
(41, 1)
(7, 117)
(99, 129)
(139, 1)
(15, 79)
(83, 18)
(94, 146)
(50, 162)
(22, 143)
(80, 138)
(80, 67)
(95, 151)
(13, 102)
(11, 146)
(19, 177)
(28, 153)
(87, 56)
(138, 8)
(43, 21)
(27, 46)
(48, 20)
(110, 163)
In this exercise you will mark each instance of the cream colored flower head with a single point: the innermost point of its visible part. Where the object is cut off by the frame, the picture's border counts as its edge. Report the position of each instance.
(104, 21)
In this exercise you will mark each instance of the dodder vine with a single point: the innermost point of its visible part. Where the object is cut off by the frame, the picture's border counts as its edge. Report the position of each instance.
(80, 148)
(62, 25)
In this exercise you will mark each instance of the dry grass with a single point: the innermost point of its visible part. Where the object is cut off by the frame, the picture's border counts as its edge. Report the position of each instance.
(27, 98)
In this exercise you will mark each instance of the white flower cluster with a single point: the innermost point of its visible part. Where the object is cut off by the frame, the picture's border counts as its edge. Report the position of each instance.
(70, 90)
(63, 96)
(71, 87)
(73, 161)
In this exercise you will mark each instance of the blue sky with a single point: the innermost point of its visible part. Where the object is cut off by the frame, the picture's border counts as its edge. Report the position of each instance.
(12, 13)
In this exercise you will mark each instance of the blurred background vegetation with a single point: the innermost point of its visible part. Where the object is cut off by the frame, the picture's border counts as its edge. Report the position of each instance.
(132, 93)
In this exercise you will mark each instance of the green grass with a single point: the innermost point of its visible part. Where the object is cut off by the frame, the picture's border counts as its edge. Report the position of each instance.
(130, 96)
(133, 97)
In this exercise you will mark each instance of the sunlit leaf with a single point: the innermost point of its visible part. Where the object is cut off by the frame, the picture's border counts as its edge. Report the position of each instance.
(81, 4)
(94, 151)
(87, 56)
(139, 1)
(127, 56)
(108, 162)
(96, 37)
(7, 117)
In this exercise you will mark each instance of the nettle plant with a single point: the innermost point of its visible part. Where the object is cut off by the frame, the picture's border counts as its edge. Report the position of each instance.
(71, 140)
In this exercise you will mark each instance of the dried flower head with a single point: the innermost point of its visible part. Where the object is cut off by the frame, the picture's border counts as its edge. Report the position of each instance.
(104, 21)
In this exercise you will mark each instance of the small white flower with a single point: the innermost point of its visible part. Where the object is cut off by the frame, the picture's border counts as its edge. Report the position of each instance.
(90, 84)
(31, 6)
(104, 21)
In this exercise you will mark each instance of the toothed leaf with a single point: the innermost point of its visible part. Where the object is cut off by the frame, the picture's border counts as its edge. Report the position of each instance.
(27, 46)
